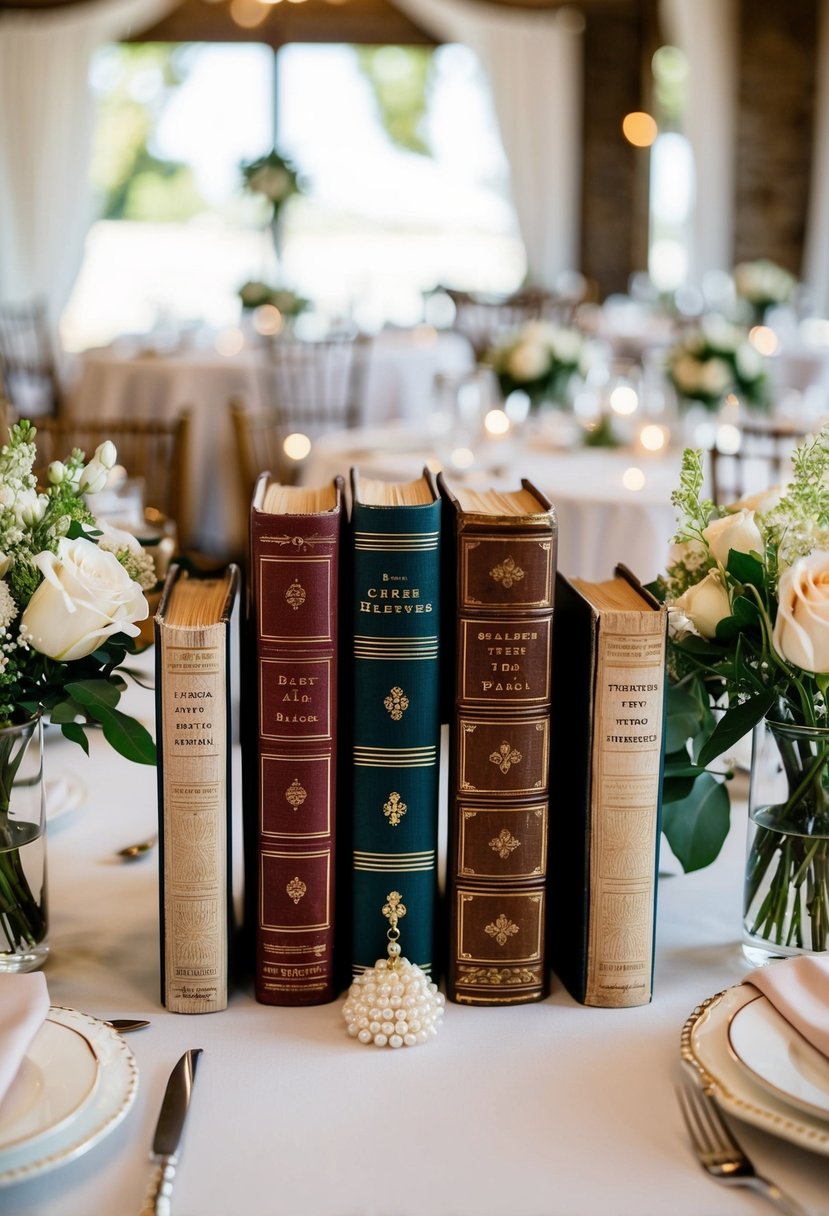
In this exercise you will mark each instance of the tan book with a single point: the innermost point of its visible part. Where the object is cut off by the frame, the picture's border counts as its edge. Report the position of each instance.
(192, 631)
(503, 564)
(607, 736)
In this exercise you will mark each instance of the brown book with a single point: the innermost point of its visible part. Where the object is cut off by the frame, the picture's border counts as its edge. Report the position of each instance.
(193, 663)
(295, 548)
(505, 555)
(607, 731)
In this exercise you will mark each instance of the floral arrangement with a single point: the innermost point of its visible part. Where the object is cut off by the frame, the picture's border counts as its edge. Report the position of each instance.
(763, 285)
(272, 176)
(255, 293)
(71, 591)
(715, 360)
(748, 592)
(540, 359)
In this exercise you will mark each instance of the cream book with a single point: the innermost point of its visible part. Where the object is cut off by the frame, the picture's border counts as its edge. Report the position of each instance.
(192, 632)
(607, 728)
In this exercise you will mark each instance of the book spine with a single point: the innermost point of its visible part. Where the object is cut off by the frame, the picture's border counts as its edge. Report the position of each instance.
(396, 726)
(294, 605)
(194, 822)
(626, 767)
(499, 761)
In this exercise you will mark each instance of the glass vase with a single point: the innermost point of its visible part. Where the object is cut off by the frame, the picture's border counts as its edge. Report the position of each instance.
(786, 896)
(23, 900)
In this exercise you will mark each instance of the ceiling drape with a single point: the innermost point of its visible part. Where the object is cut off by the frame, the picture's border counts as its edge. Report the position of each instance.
(534, 64)
(46, 127)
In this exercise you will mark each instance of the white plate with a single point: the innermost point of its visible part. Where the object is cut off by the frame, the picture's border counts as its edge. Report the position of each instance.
(58, 1075)
(94, 1117)
(706, 1050)
(780, 1058)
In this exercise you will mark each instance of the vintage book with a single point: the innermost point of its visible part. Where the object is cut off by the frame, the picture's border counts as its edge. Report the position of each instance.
(295, 547)
(504, 557)
(193, 669)
(395, 586)
(607, 732)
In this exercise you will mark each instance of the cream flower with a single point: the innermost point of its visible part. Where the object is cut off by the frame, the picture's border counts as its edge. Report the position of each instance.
(736, 531)
(705, 604)
(801, 630)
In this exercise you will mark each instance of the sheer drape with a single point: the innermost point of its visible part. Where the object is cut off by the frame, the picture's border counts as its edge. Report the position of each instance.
(46, 127)
(534, 63)
(706, 31)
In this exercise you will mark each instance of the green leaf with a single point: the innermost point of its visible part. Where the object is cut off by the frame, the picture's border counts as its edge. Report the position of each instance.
(697, 825)
(744, 615)
(65, 711)
(734, 724)
(746, 568)
(676, 788)
(129, 738)
(76, 734)
(682, 717)
(94, 692)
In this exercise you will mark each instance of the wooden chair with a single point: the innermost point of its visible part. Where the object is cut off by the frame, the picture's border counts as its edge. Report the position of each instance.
(483, 319)
(155, 450)
(28, 375)
(762, 460)
(308, 389)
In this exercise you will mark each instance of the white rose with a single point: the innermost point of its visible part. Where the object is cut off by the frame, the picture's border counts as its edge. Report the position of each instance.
(736, 531)
(760, 503)
(705, 604)
(93, 478)
(801, 631)
(86, 595)
(528, 361)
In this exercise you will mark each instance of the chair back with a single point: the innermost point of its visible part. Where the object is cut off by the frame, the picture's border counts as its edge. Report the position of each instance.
(259, 437)
(483, 319)
(762, 460)
(28, 375)
(153, 449)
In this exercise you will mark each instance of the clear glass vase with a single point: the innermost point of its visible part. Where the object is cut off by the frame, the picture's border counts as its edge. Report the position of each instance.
(786, 896)
(23, 898)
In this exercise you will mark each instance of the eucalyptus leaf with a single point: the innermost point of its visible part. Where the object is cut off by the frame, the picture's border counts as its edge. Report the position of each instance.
(128, 737)
(683, 717)
(697, 825)
(65, 711)
(674, 789)
(91, 692)
(734, 724)
(76, 734)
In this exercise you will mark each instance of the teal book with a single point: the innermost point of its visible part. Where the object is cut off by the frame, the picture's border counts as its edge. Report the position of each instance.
(395, 729)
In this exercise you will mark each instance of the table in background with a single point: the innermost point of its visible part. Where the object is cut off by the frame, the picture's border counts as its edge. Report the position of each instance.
(125, 380)
(601, 521)
(547, 1110)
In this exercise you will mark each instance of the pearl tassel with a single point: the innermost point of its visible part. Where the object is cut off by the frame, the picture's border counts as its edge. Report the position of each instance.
(394, 1003)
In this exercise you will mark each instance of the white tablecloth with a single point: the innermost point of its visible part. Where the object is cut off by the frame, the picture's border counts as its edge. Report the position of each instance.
(118, 382)
(547, 1110)
(601, 521)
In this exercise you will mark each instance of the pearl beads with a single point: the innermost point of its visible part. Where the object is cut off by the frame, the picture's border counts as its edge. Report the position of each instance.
(393, 1005)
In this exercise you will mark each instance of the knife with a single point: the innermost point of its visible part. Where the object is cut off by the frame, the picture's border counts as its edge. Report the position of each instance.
(168, 1133)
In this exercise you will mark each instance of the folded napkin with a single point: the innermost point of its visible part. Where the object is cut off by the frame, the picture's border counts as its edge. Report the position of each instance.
(24, 1003)
(799, 990)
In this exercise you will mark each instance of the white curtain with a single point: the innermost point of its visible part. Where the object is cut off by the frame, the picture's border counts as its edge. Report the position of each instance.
(46, 127)
(706, 31)
(815, 270)
(534, 63)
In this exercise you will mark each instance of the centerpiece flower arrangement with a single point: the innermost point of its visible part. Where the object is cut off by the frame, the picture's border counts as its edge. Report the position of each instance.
(762, 284)
(254, 293)
(748, 592)
(541, 360)
(272, 176)
(70, 594)
(715, 360)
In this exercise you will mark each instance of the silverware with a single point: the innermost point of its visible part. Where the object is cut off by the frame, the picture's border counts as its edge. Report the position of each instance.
(168, 1133)
(131, 851)
(125, 1025)
(720, 1154)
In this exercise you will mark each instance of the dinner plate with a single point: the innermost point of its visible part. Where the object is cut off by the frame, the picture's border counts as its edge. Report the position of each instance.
(779, 1058)
(95, 1114)
(706, 1051)
(57, 1076)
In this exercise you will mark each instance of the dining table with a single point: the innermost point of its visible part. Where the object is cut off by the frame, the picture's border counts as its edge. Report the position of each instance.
(548, 1109)
(612, 504)
(144, 377)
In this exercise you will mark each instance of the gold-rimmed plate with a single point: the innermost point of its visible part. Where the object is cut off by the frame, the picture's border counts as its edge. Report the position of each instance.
(706, 1050)
(95, 1113)
(783, 1062)
(57, 1076)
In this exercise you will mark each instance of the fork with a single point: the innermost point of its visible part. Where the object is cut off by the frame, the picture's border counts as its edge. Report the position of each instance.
(720, 1154)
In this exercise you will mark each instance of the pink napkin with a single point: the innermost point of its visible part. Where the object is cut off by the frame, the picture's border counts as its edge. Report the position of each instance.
(799, 990)
(24, 1003)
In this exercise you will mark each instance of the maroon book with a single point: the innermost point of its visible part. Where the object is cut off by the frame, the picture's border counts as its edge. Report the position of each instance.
(295, 542)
